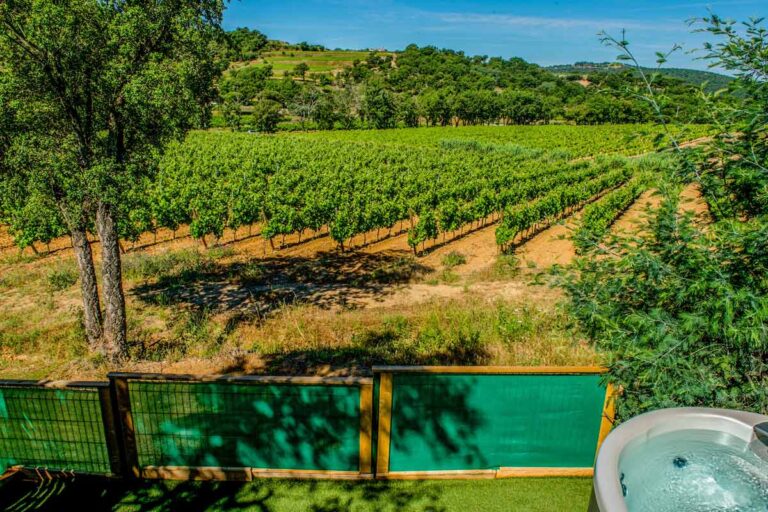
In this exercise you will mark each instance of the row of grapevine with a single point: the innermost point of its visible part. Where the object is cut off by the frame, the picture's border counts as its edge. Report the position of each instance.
(600, 215)
(350, 183)
(557, 203)
(572, 141)
(450, 216)
(215, 181)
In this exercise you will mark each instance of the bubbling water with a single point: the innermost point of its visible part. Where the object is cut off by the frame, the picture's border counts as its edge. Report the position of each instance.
(694, 471)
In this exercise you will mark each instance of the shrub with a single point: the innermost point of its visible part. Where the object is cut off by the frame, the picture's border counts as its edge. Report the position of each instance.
(61, 279)
(454, 259)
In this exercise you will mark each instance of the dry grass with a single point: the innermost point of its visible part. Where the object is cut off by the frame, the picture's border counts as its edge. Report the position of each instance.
(41, 334)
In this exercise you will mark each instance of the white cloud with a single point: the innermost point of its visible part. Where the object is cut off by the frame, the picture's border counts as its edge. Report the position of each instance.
(509, 20)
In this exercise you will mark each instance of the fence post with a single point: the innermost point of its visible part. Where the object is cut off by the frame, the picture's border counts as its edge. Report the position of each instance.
(111, 429)
(118, 384)
(366, 428)
(385, 425)
(608, 416)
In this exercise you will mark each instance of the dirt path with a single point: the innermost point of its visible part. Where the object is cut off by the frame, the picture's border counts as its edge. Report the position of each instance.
(691, 200)
(551, 246)
(636, 215)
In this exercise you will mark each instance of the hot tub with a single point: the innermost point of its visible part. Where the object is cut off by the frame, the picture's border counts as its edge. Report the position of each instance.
(684, 460)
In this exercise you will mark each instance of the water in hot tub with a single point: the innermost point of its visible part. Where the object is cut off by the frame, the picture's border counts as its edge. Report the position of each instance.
(694, 471)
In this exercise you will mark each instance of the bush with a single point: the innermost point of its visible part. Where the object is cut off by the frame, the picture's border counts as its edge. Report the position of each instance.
(61, 279)
(454, 259)
(682, 314)
(681, 309)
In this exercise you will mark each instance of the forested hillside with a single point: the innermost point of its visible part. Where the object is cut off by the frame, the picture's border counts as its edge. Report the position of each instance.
(712, 81)
(424, 86)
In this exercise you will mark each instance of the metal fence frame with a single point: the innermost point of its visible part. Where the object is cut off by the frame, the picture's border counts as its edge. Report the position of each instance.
(120, 383)
(108, 417)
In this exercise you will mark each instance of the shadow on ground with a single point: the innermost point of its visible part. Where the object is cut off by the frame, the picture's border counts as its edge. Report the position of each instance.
(260, 286)
(96, 494)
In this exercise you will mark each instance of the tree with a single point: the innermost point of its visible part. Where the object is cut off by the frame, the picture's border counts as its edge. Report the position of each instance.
(246, 43)
(245, 83)
(304, 103)
(92, 90)
(325, 113)
(408, 111)
(680, 310)
(349, 105)
(230, 111)
(266, 115)
(301, 70)
(522, 107)
(379, 106)
(435, 106)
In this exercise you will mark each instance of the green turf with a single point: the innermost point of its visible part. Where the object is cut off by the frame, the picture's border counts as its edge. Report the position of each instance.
(517, 494)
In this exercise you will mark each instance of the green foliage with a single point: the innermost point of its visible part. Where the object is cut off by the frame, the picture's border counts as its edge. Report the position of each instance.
(379, 107)
(301, 69)
(682, 314)
(245, 83)
(355, 182)
(712, 82)
(557, 196)
(448, 87)
(266, 115)
(230, 111)
(61, 278)
(598, 216)
(454, 259)
(246, 43)
(682, 308)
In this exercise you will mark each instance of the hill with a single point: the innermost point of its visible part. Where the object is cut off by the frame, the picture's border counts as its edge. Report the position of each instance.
(326, 61)
(715, 81)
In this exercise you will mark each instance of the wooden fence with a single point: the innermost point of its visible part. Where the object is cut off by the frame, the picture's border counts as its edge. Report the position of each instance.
(404, 422)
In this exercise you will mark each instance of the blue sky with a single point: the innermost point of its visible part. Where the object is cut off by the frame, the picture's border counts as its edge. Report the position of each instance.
(544, 32)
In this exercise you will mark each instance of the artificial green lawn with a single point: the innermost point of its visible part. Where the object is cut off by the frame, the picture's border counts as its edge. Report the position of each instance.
(515, 494)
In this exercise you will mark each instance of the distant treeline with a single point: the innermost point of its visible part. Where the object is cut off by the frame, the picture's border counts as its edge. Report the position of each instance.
(431, 86)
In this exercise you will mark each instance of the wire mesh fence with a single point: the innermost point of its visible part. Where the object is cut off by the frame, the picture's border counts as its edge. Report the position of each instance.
(223, 424)
(57, 429)
(412, 421)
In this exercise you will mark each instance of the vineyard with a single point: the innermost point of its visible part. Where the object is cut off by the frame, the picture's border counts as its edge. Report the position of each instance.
(434, 183)
(315, 232)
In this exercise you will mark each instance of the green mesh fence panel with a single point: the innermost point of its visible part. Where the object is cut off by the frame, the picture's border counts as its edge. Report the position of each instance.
(463, 422)
(57, 429)
(246, 425)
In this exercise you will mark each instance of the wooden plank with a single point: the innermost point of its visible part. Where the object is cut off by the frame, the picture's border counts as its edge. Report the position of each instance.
(310, 474)
(494, 370)
(246, 379)
(366, 428)
(196, 473)
(542, 472)
(475, 474)
(479, 474)
(609, 416)
(122, 401)
(53, 384)
(385, 425)
(111, 431)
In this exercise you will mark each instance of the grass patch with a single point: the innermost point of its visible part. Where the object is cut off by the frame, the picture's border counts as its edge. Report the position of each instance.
(185, 264)
(449, 277)
(454, 259)
(506, 267)
(467, 330)
(61, 278)
(518, 494)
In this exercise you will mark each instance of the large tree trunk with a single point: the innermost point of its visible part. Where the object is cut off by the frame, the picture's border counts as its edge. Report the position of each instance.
(90, 291)
(115, 343)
